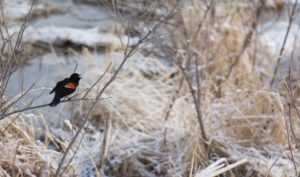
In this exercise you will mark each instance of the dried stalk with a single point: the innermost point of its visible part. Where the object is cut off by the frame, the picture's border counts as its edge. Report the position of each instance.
(291, 18)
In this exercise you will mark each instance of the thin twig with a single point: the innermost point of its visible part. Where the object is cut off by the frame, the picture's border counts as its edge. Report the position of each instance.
(197, 106)
(170, 106)
(289, 141)
(75, 67)
(273, 164)
(247, 39)
(288, 86)
(88, 91)
(291, 18)
(76, 150)
(9, 65)
(22, 95)
(43, 105)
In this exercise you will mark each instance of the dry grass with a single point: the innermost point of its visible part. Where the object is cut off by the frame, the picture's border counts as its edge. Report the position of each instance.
(137, 110)
(246, 121)
(243, 117)
(24, 148)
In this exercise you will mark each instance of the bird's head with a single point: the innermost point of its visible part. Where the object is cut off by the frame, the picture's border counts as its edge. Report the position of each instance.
(75, 77)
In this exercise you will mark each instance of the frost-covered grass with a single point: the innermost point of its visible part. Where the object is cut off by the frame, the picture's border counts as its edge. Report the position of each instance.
(250, 131)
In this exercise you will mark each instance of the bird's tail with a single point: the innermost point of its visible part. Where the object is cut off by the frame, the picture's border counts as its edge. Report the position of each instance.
(54, 102)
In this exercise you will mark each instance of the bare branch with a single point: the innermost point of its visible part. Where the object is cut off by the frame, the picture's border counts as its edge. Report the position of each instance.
(291, 18)
(75, 67)
(2, 116)
(97, 81)
(247, 39)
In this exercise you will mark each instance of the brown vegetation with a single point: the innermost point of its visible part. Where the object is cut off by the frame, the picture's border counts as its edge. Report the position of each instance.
(199, 104)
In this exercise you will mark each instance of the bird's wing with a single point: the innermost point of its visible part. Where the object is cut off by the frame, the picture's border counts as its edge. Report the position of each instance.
(59, 84)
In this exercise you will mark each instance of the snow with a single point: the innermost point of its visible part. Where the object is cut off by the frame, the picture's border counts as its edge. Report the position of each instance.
(91, 37)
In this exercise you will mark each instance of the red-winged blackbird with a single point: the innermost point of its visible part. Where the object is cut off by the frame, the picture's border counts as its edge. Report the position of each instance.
(64, 88)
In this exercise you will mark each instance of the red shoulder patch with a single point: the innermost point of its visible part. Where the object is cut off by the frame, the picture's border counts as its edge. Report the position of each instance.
(70, 85)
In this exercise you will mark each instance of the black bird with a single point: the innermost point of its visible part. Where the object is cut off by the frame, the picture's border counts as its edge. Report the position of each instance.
(64, 88)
